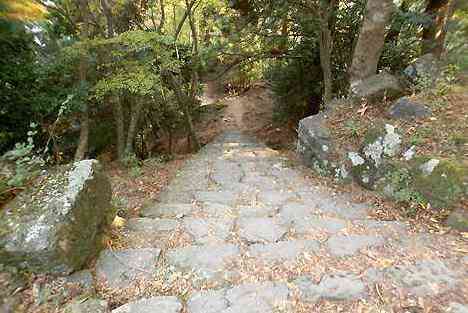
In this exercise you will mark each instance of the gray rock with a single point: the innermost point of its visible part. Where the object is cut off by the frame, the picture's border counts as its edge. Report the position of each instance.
(223, 197)
(209, 301)
(386, 228)
(425, 67)
(314, 224)
(292, 212)
(314, 143)
(208, 230)
(376, 87)
(90, 305)
(274, 198)
(458, 307)
(118, 269)
(171, 210)
(84, 279)
(283, 250)
(207, 262)
(458, 220)
(55, 225)
(152, 305)
(340, 286)
(260, 230)
(226, 173)
(427, 277)
(342, 245)
(257, 211)
(405, 108)
(152, 225)
(218, 210)
(258, 298)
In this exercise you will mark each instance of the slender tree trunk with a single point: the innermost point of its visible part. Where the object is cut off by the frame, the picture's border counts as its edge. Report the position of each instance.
(119, 125)
(193, 28)
(133, 127)
(175, 86)
(162, 7)
(327, 7)
(184, 18)
(82, 148)
(436, 10)
(371, 40)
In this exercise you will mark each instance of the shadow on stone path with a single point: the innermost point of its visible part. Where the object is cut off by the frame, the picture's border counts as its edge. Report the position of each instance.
(238, 230)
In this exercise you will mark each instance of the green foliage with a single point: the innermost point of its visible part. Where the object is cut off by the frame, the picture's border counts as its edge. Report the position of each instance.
(26, 160)
(400, 182)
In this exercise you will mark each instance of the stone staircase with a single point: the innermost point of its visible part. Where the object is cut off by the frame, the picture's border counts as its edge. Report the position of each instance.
(240, 230)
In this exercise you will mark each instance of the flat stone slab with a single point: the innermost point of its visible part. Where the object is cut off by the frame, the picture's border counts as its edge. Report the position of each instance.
(458, 308)
(267, 297)
(208, 230)
(387, 228)
(340, 286)
(257, 211)
(313, 224)
(90, 305)
(223, 197)
(171, 210)
(152, 225)
(209, 301)
(214, 209)
(427, 277)
(342, 245)
(283, 250)
(207, 262)
(274, 198)
(291, 212)
(118, 269)
(152, 305)
(258, 230)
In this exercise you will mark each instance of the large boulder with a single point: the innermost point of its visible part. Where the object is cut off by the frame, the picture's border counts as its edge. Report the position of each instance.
(376, 87)
(55, 225)
(314, 144)
(380, 144)
(440, 181)
(407, 109)
(425, 67)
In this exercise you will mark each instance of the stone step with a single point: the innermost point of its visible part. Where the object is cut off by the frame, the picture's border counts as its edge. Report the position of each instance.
(150, 305)
(208, 263)
(180, 210)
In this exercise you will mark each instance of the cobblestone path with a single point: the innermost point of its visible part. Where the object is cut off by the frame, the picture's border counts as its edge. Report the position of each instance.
(240, 230)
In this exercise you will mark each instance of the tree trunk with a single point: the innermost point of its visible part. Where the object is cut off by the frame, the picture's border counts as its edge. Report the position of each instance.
(431, 42)
(82, 148)
(119, 125)
(133, 127)
(184, 18)
(371, 40)
(327, 8)
(195, 75)
(175, 86)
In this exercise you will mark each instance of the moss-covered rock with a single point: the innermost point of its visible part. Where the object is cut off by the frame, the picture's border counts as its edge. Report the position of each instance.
(441, 182)
(55, 225)
(314, 144)
(458, 219)
(397, 183)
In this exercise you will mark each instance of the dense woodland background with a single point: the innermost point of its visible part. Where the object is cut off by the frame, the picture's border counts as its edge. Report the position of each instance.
(79, 78)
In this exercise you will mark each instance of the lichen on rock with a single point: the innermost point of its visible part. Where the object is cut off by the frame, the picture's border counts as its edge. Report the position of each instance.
(55, 225)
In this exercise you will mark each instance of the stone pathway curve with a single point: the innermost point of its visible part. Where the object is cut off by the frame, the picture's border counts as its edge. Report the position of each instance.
(240, 230)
